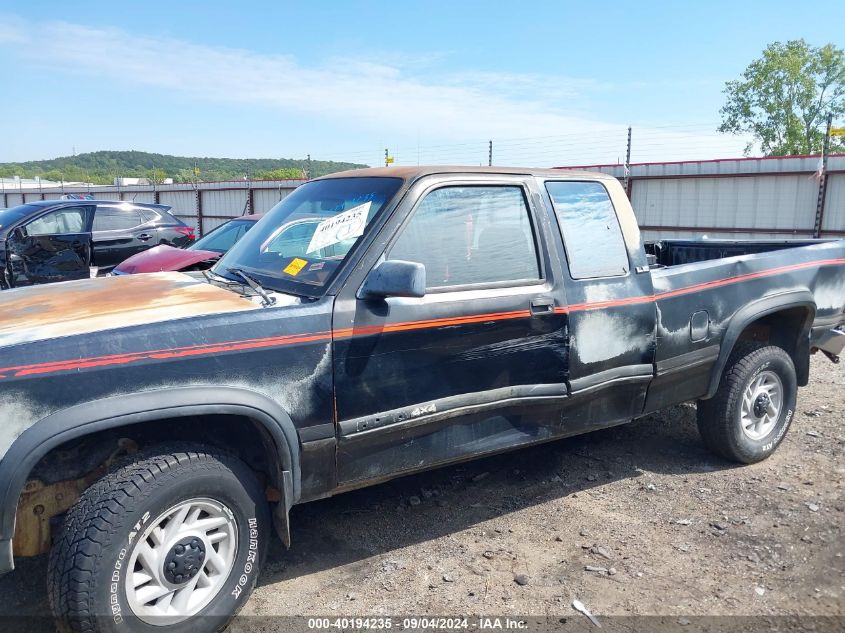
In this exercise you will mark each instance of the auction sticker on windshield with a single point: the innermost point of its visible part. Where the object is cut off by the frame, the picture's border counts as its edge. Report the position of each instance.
(294, 266)
(344, 226)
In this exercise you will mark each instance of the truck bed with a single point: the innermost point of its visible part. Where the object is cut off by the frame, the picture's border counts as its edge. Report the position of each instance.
(679, 251)
(704, 290)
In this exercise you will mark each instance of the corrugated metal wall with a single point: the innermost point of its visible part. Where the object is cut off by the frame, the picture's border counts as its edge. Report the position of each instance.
(738, 198)
(206, 207)
(834, 215)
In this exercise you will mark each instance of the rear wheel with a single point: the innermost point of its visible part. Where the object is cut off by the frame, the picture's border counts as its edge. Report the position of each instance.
(170, 543)
(753, 407)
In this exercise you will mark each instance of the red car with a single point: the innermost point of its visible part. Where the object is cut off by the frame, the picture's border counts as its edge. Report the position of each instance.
(200, 255)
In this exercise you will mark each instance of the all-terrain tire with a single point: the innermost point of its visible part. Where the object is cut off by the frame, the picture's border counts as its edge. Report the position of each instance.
(720, 418)
(88, 574)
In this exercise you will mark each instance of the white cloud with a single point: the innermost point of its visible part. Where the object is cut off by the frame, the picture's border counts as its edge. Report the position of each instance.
(394, 100)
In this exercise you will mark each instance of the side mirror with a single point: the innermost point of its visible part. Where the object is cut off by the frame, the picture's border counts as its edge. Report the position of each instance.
(18, 234)
(394, 278)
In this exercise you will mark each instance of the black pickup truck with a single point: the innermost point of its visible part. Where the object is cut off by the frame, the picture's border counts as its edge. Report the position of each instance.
(155, 428)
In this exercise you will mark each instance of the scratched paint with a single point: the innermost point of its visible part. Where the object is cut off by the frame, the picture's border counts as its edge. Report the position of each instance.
(554, 342)
(831, 296)
(17, 414)
(297, 394)
(602, 336)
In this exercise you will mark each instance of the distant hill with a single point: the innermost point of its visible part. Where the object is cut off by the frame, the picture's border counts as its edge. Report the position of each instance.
(103, 167)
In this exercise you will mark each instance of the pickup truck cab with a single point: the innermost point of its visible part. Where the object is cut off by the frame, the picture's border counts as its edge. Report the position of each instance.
(374, 323)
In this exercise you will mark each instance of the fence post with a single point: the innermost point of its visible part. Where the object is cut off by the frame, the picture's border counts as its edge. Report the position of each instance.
(627, 169)
(817, 228)
(198, 194)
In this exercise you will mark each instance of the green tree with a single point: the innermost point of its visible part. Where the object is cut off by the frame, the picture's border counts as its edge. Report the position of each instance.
(783, 98)
(282, 173)
(156, 176)
(101, 167)
(10, 170)
(54, 174)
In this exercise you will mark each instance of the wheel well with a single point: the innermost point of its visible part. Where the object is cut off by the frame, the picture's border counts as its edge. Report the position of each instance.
(788, 329)
(60, 476)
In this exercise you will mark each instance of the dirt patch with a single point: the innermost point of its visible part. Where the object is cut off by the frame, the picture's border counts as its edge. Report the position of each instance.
(635, 520)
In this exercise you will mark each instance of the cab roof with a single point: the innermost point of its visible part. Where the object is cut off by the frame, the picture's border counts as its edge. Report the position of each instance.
(410, 173)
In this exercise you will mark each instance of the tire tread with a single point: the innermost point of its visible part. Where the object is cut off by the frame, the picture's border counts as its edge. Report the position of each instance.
(715, 416)
(74, 556)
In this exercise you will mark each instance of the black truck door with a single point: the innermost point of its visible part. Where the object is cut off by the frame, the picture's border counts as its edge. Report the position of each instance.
(55, 246)
(612, 316)
(476, 365)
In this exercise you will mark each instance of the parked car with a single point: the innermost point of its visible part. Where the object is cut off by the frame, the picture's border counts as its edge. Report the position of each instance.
(375, 323)
(199, 255)
(60, 240)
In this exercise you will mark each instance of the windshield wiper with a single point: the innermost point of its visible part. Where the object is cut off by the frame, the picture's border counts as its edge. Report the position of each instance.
(208, 274)
(266, 299)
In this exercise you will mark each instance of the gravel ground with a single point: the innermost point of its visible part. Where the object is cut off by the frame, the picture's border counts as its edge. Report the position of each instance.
(635, 520)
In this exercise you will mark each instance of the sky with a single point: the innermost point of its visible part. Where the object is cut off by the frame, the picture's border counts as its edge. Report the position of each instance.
(549, 83)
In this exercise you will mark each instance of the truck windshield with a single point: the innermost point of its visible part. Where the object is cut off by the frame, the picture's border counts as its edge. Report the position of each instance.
(299, 245)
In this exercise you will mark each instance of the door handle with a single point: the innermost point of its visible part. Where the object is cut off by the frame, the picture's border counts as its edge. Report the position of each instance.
(542, 305)
(144, 237)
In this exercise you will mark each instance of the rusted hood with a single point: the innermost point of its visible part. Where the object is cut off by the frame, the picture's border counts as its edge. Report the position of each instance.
(92, 305)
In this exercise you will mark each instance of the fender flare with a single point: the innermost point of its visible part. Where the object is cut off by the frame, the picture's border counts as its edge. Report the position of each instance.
(146, 406)
(751, 312)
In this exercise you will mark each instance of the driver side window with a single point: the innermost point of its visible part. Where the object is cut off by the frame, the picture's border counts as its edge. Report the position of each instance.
(60, 222)
(471, 235)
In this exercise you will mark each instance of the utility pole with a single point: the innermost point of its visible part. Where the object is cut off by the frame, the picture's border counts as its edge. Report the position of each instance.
(490, 154)
(627, 182)
(817, 228)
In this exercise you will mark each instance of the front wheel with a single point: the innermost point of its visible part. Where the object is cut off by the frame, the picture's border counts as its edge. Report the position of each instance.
(753, 407)
(170, 543)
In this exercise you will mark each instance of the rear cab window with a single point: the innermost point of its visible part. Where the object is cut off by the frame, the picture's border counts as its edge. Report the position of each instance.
(590, 229)
(470, 236)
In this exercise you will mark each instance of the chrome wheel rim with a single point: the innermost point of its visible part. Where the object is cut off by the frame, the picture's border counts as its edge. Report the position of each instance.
(181, 561)
(762, 402)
